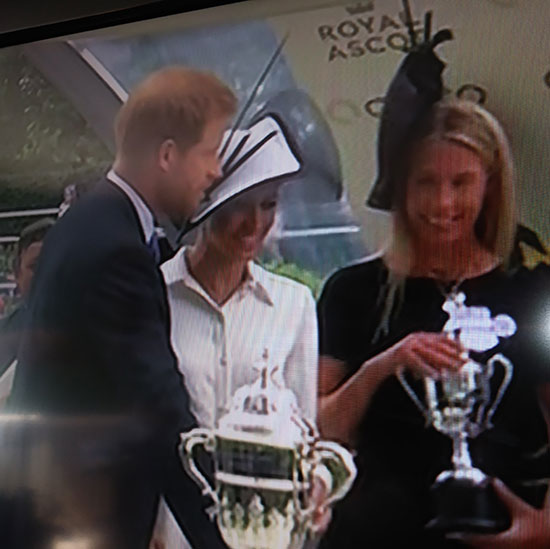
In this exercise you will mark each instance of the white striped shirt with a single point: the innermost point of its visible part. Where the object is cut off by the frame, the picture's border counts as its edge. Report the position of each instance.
(218, 347)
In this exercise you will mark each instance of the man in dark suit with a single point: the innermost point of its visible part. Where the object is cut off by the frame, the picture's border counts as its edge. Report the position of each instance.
(97, 385)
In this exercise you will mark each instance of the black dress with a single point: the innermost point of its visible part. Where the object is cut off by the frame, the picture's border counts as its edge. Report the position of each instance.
(398, 456)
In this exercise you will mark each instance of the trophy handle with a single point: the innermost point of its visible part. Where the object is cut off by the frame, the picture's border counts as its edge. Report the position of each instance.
(410, 391)
(197, 437)
(341, 466)
(508, 372)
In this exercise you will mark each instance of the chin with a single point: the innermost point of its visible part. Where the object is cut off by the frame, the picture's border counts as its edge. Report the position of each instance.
(245, 254)
(438, 240)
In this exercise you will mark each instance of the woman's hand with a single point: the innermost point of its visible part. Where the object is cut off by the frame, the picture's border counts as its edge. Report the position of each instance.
(530, 528)
(427, 354)
(322, 514)
(343, 405)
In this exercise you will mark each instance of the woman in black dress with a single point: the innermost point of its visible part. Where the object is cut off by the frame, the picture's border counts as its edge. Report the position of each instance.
(454, 226)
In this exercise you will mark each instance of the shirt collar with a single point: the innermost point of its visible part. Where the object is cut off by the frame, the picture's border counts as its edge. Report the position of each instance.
(145, 215)
(257, 279)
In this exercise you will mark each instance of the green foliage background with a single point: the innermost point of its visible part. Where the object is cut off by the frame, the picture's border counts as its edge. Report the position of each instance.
(45, 143)
(311, 279)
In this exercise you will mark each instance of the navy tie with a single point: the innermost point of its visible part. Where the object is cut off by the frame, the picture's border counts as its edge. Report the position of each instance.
(154, 247)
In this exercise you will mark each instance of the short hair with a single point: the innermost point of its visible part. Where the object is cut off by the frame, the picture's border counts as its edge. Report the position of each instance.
(35, 232)
(172, 103)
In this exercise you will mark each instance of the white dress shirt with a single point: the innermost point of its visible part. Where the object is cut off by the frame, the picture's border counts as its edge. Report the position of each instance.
(220, 347)
(145, 215)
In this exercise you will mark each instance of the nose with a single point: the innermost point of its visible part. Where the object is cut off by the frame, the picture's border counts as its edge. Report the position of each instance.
(445, 199)
(215, 169)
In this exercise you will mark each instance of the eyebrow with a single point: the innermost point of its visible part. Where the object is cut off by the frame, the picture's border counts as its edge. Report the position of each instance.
(425, 174)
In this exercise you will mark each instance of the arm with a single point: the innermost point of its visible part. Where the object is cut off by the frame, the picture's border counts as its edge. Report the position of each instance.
(130, 329)
(346, 322)
(343, 399)
(134, 340)
(343, 405)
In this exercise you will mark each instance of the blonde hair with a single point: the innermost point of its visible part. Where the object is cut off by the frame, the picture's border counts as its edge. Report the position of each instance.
(470, 125)
(172, 103)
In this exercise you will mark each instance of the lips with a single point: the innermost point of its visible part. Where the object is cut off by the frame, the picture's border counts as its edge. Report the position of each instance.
(441, 223)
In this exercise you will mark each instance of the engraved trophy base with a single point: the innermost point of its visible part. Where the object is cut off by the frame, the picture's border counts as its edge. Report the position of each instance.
(467, 506)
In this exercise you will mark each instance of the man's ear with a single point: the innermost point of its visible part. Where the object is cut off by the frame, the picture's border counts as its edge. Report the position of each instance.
(165, 154)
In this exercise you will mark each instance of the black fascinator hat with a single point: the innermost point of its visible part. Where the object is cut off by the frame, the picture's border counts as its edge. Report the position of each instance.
(416, 86)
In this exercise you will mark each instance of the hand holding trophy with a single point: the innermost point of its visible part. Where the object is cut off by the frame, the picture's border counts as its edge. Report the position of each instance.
(460, 405)
(266, 460)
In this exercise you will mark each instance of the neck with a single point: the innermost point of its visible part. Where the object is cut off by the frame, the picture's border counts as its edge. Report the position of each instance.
(218, 274)
(139, 179)
(452, 261)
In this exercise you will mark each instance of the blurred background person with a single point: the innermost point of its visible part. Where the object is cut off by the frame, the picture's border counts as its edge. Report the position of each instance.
(29, 247)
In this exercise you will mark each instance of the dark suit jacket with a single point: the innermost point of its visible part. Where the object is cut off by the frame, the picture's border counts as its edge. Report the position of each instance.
(97, 370)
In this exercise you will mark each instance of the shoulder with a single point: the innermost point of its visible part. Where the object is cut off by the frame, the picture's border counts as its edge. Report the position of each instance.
(101, 223)
(279, 286)
(531, 287)
(539, 275)
(519, 284)
(368, 273)
(103, 209)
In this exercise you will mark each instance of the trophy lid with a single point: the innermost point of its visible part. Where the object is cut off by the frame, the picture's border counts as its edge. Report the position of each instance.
(265, 412)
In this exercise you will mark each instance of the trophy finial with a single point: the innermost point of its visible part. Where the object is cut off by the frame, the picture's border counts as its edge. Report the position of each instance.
(477, 330)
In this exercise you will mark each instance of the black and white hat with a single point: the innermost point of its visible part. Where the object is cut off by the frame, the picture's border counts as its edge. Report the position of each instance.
(260, 154)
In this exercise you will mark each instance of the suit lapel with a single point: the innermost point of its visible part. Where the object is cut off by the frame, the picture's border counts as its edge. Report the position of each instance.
(110, 188)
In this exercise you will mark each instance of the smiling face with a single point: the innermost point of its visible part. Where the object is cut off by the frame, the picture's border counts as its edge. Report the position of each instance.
(446, 189)
(239, 228)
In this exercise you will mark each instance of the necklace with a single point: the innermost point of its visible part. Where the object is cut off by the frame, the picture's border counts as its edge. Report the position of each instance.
(450, 290)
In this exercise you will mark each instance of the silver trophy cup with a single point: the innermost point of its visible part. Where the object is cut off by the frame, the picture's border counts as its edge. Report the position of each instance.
(460, 405)
(266, 456)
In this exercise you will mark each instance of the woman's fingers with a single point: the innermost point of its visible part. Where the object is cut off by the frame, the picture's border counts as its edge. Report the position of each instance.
(422, 366)
(440, 361)
(441, 357)
(430, 353)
